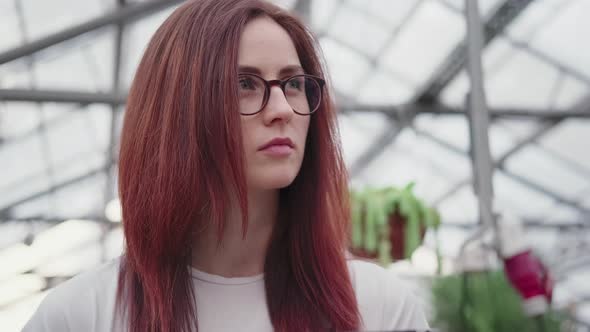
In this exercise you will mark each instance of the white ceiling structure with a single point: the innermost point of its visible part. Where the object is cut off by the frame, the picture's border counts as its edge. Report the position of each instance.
(397, 70)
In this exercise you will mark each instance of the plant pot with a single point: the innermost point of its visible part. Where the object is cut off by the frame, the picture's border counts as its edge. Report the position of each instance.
(397, 239)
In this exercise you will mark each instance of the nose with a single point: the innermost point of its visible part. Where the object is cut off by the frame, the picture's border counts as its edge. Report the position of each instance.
(277, 108)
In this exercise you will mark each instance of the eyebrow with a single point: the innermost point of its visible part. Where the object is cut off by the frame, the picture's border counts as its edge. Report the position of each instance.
(288, 70)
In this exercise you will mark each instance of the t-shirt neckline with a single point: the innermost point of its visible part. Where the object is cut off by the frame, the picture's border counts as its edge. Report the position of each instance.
(221, 280)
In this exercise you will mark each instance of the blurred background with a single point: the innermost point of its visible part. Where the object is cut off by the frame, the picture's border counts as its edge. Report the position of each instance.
(467, 126)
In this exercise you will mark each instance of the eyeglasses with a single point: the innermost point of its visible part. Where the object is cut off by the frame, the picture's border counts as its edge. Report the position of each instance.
(303, 93)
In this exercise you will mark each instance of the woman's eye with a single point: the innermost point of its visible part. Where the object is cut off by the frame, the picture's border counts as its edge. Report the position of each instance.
(246, 83)
(295, 84)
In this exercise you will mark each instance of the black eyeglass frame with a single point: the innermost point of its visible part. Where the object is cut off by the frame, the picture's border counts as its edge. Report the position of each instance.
(282, 83)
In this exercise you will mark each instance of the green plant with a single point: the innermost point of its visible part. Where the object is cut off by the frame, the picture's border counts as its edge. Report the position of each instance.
(371, 211)
(484, 302)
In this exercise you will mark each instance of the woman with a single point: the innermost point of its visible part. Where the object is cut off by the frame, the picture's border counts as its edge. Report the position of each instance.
(234, 192)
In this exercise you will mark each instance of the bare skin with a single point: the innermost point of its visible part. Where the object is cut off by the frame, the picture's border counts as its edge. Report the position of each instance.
(267, 47)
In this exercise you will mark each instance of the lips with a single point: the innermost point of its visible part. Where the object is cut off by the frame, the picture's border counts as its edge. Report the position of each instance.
(279, 141)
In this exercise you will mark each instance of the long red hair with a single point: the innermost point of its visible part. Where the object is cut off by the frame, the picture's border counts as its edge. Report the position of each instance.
(181, 158)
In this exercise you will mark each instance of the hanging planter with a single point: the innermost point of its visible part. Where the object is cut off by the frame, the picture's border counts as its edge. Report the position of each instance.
(389, 223)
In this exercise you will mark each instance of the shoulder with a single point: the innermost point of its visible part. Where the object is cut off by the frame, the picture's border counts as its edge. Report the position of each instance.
(80, 304)
(385, 302)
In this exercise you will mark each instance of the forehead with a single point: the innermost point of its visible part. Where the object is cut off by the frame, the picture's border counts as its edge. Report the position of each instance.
(264, 44)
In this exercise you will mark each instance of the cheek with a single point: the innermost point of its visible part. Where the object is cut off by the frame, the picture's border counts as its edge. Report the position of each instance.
(247, 134)
(304, 129)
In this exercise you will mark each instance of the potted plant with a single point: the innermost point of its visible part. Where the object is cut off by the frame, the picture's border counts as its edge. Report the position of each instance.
(485, 302)
(389, 223)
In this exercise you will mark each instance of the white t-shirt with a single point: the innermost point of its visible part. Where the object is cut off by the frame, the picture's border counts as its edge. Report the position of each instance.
(87, 301)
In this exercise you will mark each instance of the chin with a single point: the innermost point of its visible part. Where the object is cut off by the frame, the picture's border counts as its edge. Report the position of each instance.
(273, 180)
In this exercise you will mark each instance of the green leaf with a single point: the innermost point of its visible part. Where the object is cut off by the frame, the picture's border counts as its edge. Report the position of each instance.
(432, 218)
(487, 303)
(380, 211)
(356, 218)
(412, 236)
(371, 217)
(384, 253)
(391, 198)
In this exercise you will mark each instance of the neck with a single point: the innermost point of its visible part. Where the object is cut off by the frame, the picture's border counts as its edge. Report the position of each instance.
(238, 255)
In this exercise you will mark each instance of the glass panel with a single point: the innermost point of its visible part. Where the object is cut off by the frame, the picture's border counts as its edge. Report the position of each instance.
(9, 23)
(368, 36)
(47, 17)
(570, 140)
(531, 163)
(345, 77)
(424, 42)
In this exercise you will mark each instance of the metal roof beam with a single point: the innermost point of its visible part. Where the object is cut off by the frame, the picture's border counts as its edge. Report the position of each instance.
(452, 65)
(125, 15)
(56, 96)
(577, 112)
